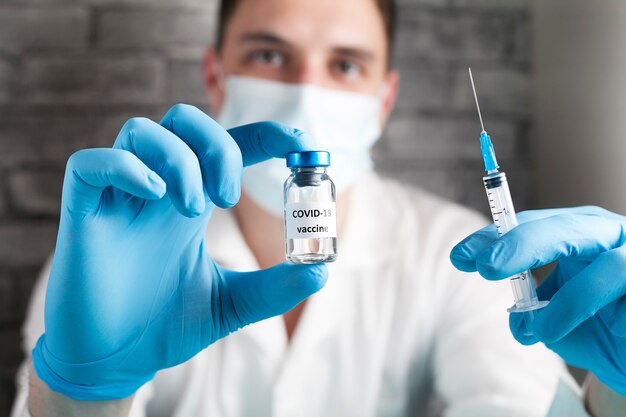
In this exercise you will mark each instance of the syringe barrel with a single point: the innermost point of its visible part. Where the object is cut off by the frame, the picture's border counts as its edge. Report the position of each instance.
(500, 202)
(505, 220)
(524, 292)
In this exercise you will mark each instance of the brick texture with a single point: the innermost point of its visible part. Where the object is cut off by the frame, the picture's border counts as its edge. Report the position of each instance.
(72, 71)
(26, 29)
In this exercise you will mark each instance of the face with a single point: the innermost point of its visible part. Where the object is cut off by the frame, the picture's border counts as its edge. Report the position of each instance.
(334, 44)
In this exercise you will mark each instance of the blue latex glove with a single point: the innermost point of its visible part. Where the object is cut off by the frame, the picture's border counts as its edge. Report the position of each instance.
(132, 288)
(585, 322)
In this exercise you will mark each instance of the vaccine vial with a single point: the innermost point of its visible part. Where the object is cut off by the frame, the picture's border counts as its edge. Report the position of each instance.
(310, 214)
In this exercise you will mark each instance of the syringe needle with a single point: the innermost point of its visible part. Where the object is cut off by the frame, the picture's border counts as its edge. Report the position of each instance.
(476, 99)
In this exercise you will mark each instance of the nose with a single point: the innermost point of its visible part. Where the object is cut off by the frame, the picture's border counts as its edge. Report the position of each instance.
(307, 70)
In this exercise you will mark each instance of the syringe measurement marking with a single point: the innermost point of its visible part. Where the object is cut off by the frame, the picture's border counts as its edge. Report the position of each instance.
(521, 276)
(496, 221)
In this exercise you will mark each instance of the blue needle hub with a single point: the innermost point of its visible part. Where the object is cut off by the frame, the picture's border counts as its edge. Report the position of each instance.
(489, 154)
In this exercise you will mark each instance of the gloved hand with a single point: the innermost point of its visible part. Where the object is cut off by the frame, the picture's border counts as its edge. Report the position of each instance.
(132, 289)
(585, 322)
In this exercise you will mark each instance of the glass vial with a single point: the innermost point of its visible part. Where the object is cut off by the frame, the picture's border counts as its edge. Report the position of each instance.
(310, 215)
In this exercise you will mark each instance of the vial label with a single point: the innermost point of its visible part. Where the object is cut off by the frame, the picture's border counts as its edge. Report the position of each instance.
(310, 220)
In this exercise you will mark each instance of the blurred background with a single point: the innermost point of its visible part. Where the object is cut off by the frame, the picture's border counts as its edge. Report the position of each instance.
(550, 77)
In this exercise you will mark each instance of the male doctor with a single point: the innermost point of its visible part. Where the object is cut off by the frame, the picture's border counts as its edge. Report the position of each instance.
(149, 270)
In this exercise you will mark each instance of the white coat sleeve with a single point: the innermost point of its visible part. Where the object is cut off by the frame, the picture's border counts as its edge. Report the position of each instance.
(32, 328)
(479, 368)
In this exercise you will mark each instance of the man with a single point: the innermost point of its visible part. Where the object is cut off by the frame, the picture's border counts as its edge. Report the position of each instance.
(133, 290)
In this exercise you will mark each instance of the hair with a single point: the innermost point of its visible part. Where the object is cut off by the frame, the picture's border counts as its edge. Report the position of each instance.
(387, 10)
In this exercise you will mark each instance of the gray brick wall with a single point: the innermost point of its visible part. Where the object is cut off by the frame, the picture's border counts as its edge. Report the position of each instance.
(431, 140)
(71, 71)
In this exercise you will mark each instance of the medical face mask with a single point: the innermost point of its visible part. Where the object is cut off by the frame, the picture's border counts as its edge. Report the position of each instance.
(343, 123)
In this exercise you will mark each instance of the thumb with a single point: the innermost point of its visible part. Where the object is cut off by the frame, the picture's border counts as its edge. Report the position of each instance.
(265, 140)
(262, 294)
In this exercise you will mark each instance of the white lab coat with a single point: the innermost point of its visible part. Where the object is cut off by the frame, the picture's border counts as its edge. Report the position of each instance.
(395, 326)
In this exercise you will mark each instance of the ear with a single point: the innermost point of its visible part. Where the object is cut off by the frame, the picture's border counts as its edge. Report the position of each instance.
(213, 79)
(392, 81)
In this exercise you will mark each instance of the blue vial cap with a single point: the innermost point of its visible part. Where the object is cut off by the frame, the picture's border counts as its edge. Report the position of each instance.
(308, 159)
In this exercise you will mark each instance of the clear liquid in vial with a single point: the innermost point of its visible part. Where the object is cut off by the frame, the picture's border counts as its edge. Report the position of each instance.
(312, 251)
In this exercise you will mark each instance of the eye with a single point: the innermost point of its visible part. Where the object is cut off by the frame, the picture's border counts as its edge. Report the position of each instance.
(268, 57)
(347, 68)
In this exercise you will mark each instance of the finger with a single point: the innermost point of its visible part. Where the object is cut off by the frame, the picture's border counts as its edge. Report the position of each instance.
(463, 255)
(582, 296)
(519, 329)
(217, 152)
(518, 322)
(532, 215)
(617, 323)
(540, 242)
(89, 171)
(169, 157)
(270, 292)
(559, 275)
(551, 284)
(265, 140)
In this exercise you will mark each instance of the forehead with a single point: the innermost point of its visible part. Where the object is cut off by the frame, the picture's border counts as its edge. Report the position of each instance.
(312, 23)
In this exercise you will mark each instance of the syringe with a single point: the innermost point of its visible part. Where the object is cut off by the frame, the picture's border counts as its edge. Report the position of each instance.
(504, 218)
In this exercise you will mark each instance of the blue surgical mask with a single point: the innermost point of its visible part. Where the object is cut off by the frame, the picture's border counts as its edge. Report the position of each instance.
(343, 123)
